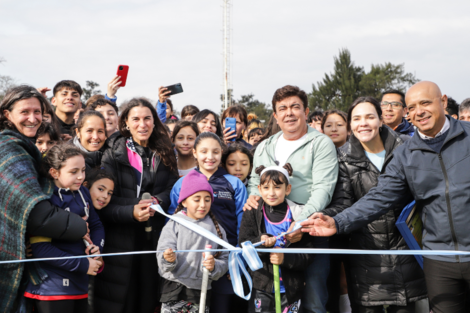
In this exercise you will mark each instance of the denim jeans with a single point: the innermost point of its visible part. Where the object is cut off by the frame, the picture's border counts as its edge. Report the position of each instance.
(316, 293)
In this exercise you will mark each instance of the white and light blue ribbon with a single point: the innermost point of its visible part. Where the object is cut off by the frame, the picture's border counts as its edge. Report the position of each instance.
(248, 253)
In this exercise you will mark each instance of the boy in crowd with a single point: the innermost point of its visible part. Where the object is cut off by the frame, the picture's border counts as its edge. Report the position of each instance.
(394, 111)
(67, 101)
(464, 110)
(314, 120)
(452, 108)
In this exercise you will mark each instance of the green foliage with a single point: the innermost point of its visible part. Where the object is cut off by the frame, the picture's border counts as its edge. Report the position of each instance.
(348, 82)
(253, 105)
(89, 90)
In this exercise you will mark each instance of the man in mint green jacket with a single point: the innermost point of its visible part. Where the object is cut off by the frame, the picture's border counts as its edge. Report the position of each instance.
(312, 156)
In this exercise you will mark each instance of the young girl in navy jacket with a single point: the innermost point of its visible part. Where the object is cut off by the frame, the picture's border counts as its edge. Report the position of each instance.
(65, 289)
(229, 197)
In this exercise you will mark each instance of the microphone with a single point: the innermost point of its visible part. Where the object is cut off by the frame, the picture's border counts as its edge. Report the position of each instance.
(148, 226)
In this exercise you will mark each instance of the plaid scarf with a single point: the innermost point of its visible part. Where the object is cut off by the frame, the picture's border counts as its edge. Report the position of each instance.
(21, 189)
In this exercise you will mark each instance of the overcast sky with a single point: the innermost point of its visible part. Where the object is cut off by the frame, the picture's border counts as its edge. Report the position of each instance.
(274, 43)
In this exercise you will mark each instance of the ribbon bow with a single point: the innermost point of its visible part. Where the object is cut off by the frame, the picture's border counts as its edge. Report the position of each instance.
(237, 255)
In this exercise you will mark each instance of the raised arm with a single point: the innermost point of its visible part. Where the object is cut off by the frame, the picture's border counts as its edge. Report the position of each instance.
(392, 190)
(50, 221)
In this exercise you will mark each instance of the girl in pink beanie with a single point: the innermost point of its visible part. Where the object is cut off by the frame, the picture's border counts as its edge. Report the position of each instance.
(182, 273)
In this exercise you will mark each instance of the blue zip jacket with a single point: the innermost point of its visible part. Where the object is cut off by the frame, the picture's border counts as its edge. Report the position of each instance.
(405, 128)
(161, 111)
(68, 278)
(229, 198)
(440, 184)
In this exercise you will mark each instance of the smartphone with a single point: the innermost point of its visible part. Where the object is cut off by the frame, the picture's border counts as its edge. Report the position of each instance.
(175, 89)
(122, 71)
(231, 122)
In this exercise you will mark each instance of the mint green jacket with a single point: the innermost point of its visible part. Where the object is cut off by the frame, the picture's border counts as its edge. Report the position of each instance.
(315, 166)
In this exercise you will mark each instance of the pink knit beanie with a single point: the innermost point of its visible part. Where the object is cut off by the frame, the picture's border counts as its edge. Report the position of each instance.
(194, 182)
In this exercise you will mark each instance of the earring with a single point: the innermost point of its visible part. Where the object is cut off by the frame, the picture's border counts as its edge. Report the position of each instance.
(127, 127)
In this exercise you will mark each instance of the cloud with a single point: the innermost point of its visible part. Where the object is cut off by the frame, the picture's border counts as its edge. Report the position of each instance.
(274, 43)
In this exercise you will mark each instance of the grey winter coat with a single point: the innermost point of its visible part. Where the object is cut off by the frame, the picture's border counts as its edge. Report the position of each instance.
(187, 269)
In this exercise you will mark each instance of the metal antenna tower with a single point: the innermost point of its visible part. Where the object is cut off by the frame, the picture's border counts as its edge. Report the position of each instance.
(227, 52)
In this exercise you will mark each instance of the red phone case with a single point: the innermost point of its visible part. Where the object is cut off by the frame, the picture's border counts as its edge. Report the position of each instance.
(123, 73)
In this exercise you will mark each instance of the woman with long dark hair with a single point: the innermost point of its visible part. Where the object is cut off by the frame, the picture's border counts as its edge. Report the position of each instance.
(374, 280)
(142, 161)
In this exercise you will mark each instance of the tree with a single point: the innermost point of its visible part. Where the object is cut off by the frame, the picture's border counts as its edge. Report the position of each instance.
(253, 105)
(89, 90)
(340, 88)
(6, 82)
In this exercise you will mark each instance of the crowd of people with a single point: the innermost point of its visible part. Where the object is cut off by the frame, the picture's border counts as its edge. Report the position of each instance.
(79, 179)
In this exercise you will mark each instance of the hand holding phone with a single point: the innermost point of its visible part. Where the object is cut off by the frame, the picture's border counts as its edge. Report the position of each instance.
(122, 71)
(113, 87)
(230, 131)
(174, 89)
(163, 94)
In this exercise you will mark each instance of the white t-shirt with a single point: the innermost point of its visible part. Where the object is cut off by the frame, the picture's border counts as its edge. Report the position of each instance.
(284, 148)
(185, 172)
(377, 159)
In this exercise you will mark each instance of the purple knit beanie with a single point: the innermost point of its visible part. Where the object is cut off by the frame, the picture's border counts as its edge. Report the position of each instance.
(192, 183)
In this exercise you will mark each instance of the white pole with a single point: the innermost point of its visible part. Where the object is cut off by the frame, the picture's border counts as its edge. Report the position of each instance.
(205, 282)
(226, 54)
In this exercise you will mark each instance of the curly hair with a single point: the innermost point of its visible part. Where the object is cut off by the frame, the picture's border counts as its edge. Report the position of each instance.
(14, 95)
(100, 102)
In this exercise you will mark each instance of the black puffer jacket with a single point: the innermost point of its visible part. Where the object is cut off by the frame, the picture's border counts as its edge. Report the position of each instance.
(124, 233)
(375, 279)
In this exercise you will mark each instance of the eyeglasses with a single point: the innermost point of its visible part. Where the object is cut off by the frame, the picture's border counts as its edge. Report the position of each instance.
(395, 105)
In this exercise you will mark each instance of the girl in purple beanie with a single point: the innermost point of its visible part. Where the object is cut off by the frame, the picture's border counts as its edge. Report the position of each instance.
(229, 197)
(182, 274)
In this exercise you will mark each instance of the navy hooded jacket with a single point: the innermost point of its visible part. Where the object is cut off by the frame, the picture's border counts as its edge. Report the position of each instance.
(405, 128)
(67, 279)
(229, 198)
